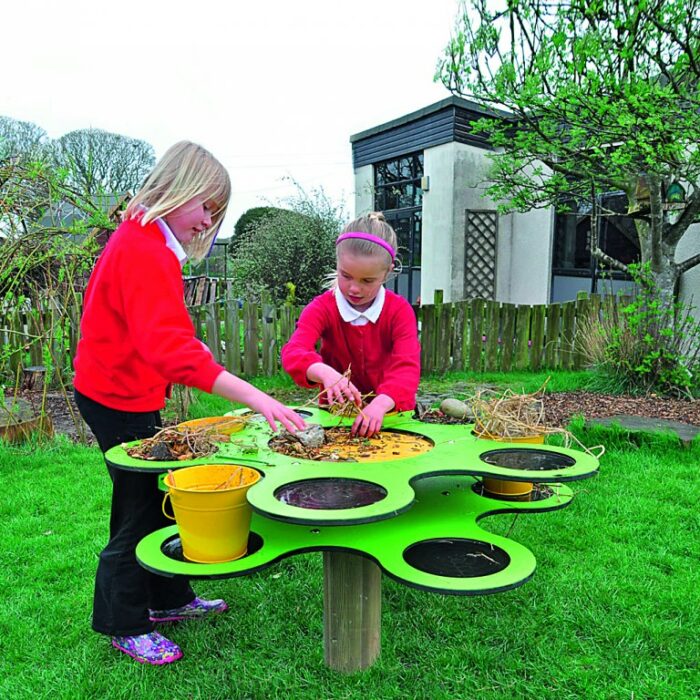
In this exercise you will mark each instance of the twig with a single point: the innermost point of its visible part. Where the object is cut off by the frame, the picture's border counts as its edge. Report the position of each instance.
(227, 482)
(350, 405)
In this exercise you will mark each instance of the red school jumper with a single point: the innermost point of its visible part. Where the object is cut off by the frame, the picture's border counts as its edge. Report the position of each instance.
(136, 334)
(384, 357)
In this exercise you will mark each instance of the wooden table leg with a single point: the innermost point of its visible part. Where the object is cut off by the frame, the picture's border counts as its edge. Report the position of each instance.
(352, 609)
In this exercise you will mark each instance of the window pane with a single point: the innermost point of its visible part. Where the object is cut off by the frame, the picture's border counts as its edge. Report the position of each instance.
(417, 235)
(571, 242)
(392, 170)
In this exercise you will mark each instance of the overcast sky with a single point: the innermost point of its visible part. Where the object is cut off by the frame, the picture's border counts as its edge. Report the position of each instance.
(273, 88)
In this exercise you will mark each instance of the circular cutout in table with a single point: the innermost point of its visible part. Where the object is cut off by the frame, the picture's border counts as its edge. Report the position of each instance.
(330, 493)
(531, 460)
(456, 557)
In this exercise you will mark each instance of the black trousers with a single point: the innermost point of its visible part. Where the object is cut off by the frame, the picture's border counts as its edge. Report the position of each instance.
(124, 591)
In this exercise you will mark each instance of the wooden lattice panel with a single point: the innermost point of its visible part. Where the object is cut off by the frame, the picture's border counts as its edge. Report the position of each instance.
(481, 228)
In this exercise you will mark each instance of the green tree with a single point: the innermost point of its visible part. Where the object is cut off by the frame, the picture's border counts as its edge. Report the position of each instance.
(294, 245)
(590, 97)
(99, 162)
(246, 222)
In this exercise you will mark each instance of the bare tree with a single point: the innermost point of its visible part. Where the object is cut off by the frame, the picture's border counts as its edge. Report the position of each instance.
(99, 162)
(21, 139)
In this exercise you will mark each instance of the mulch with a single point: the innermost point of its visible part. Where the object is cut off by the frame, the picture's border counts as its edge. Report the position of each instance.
(559, 409)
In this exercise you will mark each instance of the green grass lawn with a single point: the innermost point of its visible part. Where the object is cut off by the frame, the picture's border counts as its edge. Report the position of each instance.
(612, 611)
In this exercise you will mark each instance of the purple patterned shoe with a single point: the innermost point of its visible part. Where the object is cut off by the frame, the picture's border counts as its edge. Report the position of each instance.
(152, 648)
(197, 608)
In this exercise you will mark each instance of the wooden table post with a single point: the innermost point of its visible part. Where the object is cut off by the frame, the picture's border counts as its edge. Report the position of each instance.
(352, 608)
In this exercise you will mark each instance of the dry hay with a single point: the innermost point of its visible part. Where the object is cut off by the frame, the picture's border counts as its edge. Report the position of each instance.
(176, 444)
(509, 415)
(342, 446)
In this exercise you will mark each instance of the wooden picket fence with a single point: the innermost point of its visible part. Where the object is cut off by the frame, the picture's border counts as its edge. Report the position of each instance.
(246, 337)
(484, 335)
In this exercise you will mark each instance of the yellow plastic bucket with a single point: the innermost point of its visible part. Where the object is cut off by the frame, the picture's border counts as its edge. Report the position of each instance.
(211, 510)
(506, 487)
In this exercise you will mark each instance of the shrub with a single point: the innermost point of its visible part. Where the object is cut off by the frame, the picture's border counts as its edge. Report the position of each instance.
(246, 222)
(647, 346)
(295, 245)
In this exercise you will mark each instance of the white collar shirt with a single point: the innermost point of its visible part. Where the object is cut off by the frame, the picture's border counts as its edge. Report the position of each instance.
(359, 318)
(172, 242)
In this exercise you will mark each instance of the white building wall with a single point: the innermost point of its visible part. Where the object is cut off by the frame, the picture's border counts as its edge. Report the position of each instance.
(458, 181)
(689, 246)
(527, 239)
(472, 167)
(364, 190)
(458, 176)
(438, 225)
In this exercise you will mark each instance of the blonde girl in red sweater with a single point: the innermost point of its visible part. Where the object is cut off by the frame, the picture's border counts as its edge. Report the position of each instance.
(136, 340)
(361, 326)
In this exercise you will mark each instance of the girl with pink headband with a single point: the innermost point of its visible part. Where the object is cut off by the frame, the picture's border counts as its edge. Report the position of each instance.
(362, 327)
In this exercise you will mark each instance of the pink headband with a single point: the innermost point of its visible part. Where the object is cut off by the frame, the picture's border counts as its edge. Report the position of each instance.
(367, 237)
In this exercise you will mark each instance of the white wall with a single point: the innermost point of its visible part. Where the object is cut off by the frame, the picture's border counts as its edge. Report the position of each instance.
(364, 190)
(458, 180)
(526, 240)
(436, 242)
(689, 246)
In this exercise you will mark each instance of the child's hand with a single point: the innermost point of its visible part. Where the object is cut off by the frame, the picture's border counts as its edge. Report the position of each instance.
(338, 387)
(235, 389)
(274, 411)
(369, 422)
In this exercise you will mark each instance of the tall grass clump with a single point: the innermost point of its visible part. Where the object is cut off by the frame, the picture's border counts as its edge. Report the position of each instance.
(649, 346)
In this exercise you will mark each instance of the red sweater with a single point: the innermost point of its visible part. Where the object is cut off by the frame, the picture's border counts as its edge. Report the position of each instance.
(136, 334)
(384, 357)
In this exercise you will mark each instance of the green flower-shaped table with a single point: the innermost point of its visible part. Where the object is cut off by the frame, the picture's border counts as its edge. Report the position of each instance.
(416, 518)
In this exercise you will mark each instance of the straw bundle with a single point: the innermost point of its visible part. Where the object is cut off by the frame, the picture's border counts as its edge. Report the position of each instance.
(509, 415)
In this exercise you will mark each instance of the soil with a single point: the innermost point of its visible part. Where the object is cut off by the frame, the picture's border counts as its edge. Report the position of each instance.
(63, 412)
(341, 446)
(559, 409)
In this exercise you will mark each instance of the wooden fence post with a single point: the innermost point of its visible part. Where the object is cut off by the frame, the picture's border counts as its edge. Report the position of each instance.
(522, 337)
(211, 320)
(427, 338)
(476, 334)
(537, 336)
(552, 358)
(492, 331)
(250, 338)
(568, 328)
(459, 335)
(508, 337)
(270, 353)
(232, 336)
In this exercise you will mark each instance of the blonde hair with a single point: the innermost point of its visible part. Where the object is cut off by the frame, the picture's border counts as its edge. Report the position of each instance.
(185, 171)
(373, 223)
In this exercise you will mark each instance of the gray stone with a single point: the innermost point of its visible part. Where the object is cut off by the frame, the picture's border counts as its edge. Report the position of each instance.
(685, 431)
(313, 436)
(456, 409)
